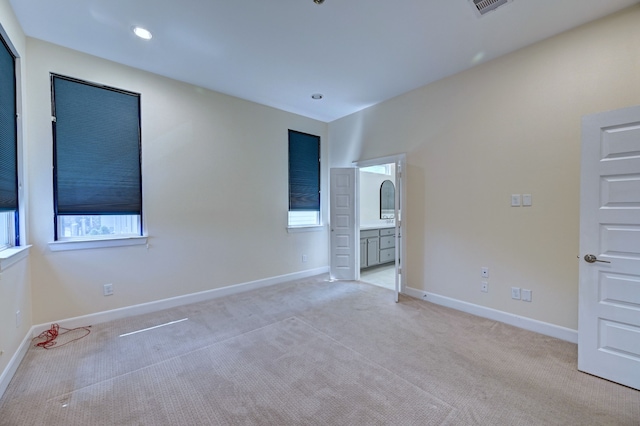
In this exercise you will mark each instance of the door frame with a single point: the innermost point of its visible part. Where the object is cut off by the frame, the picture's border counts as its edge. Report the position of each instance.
(401, 196)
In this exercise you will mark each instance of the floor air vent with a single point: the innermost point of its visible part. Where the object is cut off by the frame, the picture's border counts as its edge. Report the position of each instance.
(482, 7)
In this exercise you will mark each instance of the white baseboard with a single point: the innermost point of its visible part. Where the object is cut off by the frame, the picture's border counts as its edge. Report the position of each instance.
(158, 305)
(545, 328)
(14, 363)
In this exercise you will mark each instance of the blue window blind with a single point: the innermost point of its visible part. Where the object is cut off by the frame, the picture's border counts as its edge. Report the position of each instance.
(8, 131)
(304, 172)
(97, 168)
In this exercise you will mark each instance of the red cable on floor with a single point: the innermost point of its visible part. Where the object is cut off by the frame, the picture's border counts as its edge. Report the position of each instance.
(53, 333)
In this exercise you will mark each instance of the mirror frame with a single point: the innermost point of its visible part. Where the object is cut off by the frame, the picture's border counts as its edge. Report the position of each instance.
(387, 192)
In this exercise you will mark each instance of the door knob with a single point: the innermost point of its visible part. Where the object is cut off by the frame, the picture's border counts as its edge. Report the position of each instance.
(591, 258)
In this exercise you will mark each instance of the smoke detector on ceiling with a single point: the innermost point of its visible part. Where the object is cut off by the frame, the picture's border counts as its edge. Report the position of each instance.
(482, 7)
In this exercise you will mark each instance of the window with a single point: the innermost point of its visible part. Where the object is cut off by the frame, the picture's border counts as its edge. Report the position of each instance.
(97, 171)
(304, 179)
(8, 149)
(382, 169)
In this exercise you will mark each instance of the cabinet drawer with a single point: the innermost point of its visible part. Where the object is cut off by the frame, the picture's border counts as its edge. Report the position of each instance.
(387, 255)
(387, 242)
(369, 233)
(387, 231)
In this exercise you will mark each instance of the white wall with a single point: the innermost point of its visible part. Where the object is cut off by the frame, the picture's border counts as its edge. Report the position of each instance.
(15, 290)
(215, 194)
(509, 126)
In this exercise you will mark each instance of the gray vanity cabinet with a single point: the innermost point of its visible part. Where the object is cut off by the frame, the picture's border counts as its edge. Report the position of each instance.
(387, 245)
(376, 246)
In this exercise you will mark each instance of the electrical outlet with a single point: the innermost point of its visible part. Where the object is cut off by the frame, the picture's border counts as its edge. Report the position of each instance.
(526, 295)
(108, 289)
(515, 293)
(18, 319)
(304, 258)
(484, 287)
(484, 272)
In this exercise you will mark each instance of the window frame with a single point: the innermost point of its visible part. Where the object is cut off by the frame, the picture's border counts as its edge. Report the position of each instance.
(12, 230)
(306, 226)
(62, 242)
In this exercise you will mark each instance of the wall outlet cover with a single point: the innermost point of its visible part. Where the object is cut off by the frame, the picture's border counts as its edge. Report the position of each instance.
(107, 289)
(526, 295)
(484, 287)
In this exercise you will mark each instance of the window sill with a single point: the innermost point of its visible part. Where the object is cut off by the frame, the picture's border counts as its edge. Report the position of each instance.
(91, 244)
(12, 255)
(314, 228)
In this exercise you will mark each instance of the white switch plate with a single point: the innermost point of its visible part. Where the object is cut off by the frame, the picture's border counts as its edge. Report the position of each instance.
(484, 287)
(526, 200)
(515, 293)
(515, 200)
(526, 295)
(484, 272)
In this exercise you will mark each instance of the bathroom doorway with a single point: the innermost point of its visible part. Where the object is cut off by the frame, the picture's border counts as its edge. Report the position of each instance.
(381, 199)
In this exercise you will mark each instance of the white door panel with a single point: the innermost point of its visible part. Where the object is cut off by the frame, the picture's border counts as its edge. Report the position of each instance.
(343, 218)
(609, 318)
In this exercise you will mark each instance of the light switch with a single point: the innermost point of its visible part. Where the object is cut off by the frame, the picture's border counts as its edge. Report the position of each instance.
(515, 200)
(526, 200)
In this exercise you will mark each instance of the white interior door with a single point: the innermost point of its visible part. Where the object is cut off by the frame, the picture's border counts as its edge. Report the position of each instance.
(609, 300)
(345, 256)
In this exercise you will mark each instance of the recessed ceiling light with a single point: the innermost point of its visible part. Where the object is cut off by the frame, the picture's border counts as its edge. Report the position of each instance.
(317, 96)
(142, 33)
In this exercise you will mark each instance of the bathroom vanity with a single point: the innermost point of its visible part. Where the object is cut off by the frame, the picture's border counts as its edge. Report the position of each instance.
(377, 246)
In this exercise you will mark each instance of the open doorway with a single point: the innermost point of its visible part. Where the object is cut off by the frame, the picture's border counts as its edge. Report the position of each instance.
(377, 223)
(381, 200)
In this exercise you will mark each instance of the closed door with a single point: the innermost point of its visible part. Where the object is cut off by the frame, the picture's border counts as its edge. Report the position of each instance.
(343, 214)
(609, 293)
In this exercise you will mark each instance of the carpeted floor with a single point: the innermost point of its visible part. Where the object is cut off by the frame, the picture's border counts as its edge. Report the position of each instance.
(312, 352)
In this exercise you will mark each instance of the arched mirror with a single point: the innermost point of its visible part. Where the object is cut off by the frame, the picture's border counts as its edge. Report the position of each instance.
(387, 200)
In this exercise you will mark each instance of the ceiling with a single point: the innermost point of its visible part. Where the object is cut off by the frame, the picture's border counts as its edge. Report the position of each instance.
(356, 53)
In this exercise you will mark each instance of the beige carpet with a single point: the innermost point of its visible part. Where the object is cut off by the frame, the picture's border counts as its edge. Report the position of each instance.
(312, 353)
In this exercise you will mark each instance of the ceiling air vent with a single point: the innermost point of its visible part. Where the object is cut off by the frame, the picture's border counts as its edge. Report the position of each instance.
(482, 7)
